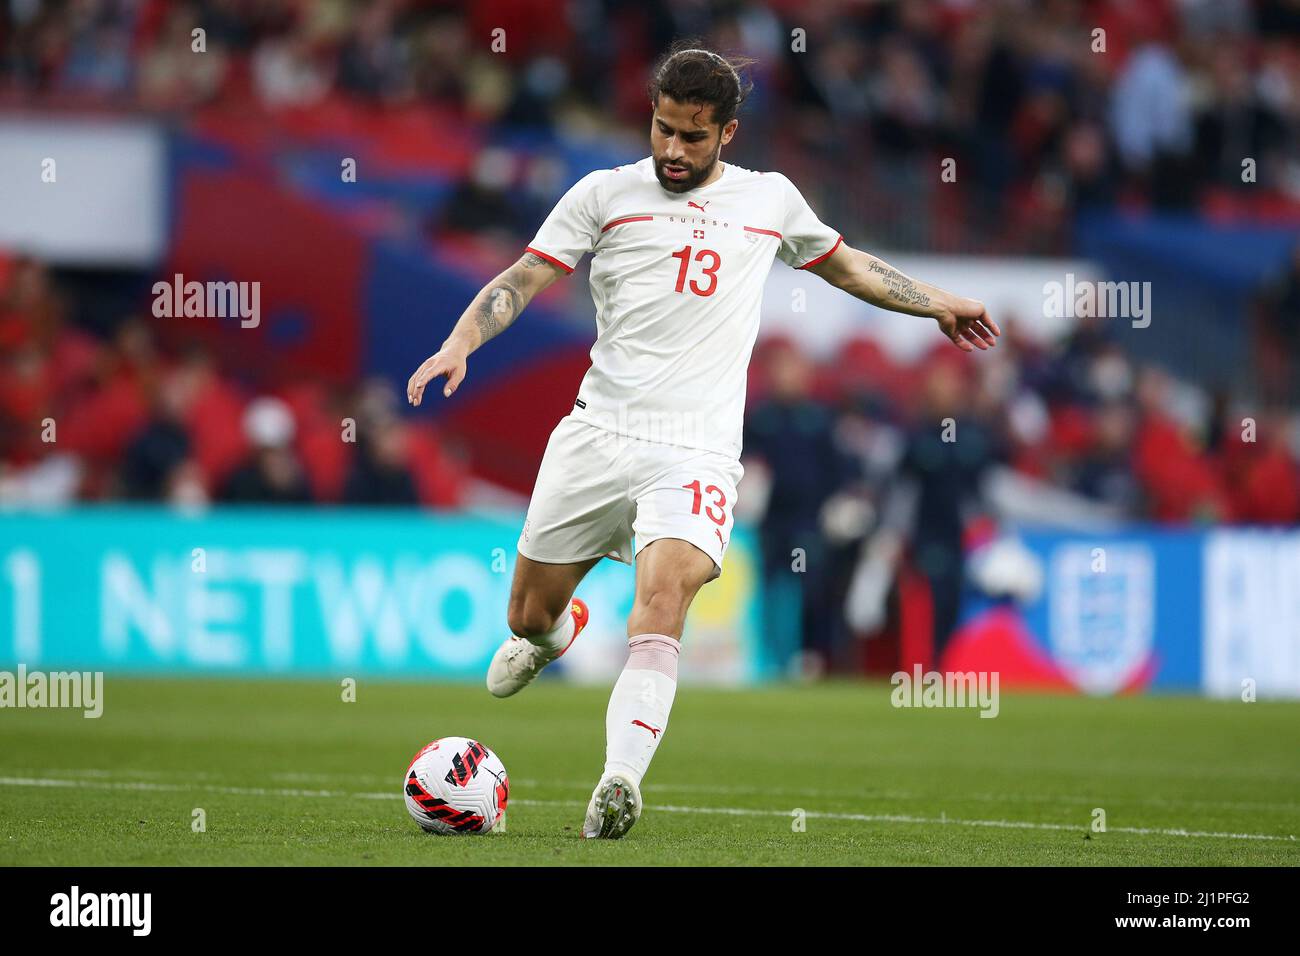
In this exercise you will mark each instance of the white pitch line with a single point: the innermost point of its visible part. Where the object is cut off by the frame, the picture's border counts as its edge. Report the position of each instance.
(944, 821)
(666, 808)
(660, 785)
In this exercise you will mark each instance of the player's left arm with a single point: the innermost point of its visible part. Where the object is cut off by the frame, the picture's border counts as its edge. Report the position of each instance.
(862, 275)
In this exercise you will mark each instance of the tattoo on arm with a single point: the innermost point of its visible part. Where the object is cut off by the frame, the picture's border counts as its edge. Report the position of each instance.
(899, 287)
(499, 307)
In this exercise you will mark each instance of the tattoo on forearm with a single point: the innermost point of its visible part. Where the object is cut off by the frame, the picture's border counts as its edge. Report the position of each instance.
(499, 307)
(900, 287)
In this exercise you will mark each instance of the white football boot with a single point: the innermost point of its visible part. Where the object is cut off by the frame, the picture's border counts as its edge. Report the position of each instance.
(615, 806)
(517, 662)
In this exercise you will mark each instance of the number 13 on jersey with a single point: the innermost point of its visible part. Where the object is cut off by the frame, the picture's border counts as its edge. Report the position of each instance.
(711, 271)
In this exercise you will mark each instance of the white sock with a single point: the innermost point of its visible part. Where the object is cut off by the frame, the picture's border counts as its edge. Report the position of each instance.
(638, 707)
(558, 639)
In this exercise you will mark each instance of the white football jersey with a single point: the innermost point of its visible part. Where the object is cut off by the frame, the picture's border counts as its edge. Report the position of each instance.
(677, 279)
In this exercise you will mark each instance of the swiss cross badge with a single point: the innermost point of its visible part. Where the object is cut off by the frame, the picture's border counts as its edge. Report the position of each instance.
(699, 233)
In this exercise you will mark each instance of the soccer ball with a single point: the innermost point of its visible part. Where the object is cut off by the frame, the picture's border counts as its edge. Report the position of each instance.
(456, 785)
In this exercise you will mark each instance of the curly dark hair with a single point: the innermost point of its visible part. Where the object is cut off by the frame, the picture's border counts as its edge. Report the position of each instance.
(691, 73)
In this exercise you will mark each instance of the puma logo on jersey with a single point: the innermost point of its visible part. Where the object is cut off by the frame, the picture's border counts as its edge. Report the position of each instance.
(697, 205)
(720, 537)
(654, 731)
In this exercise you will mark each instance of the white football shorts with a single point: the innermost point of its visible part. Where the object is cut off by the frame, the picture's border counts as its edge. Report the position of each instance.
(601, 494)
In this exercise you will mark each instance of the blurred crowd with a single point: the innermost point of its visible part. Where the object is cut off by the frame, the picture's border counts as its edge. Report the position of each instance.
(116, 417)
(1080, 415)
(860, 471)
(129, 420)
(1045, 108)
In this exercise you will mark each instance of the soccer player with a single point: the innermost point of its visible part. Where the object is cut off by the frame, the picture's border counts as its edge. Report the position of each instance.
(682, 244)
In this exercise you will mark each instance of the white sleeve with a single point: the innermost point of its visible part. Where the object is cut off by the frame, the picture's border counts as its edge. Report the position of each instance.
(572, 228)
(805, 239)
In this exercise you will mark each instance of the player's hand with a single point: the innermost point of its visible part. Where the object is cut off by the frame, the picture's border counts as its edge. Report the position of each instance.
(448, 362)
(968, 325)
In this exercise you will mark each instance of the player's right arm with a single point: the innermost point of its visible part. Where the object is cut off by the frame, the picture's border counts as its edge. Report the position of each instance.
(493, 311)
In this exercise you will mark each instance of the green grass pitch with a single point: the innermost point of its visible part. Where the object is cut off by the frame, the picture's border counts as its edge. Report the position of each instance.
(288, 773)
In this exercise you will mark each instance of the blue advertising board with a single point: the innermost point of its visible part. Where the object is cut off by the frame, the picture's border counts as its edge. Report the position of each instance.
(315, 592)
(1214, 610)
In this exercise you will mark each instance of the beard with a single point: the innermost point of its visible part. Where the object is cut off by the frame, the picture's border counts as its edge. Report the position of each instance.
(694, 176)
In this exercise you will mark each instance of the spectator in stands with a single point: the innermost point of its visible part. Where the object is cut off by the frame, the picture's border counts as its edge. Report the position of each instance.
(291, 70)
(794, 438)
(170, 76)
(160, 449)
(947, 457)
(1152, 118)
(379, 474)
(1105, 472)
(1277, 335)
(1179, 482)
(272, 473)
(98, 59)
(1260, 472)
(481, 203)
(372, 61)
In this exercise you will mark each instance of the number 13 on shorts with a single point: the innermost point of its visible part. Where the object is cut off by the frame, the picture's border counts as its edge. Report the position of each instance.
(711, 502)
(693, 505)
